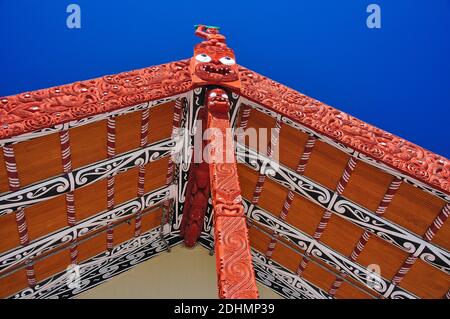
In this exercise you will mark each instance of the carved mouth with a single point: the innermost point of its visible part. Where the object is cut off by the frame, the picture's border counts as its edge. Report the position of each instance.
(208, 68)
(211, 72)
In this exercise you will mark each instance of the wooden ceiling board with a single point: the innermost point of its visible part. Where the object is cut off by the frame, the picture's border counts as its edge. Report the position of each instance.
(88, 143)
(367, 185)
(272, 197)
(259, 124)
(151, 220)
(9, 235)
(155, 174)
(304, 214)
(258, 240)
(247, 180)
(291, 145)
(341, 235)
(124, 231)
(347, 291)
(90, 200)
(13, 283)
(387, 256)
(52, 264)
(128, 132)
(426, 281)
(442, 237)
(413, 209)
(160, 122)
(46, 217)
(92, 246)
(38, 159)
(126, 185)
(326, 165)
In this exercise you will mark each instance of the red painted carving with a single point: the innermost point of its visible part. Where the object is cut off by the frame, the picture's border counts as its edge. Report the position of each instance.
(197, 195)
(211, 35)
(236, 278)
(27, 112)
(385, 147)
(213, 62)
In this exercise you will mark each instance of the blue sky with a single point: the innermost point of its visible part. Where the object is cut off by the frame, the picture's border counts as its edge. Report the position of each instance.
(396, 77)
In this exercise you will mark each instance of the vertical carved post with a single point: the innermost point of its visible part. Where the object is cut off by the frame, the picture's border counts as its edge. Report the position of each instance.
(214, 65)
(236, 277)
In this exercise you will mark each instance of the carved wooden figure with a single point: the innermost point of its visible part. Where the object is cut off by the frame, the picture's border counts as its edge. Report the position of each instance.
(214, 64)
(236, 277)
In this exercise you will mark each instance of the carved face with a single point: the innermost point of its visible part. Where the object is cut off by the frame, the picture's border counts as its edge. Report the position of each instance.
(214, 64)
(217, 101)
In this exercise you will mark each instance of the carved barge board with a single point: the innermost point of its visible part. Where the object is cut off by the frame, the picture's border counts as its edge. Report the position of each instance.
(31, 114)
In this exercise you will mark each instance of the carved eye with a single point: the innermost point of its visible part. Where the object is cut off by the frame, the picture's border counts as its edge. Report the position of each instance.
(225, 96)
(213, 94)
(203, 57)
(227, 60)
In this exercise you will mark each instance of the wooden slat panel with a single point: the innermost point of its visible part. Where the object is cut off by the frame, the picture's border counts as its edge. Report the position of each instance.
(52, 265)
(9, 236)
(286, 257)
(155, 174)
(128, 132)
(126, 186)
(413, 209)
(426, 281)
(442, 237)
(341, 235)
(92, 247)
(88, 143)
(247, 180)
(387, 256)
(124, 231)
(4, 186)
(348, 291)
(272, 197)
(160, 122)
(257, 121)
(326, 165)
(90, 200)
(151, 220)
(258, 240)
(319, 276)
(13, 283)
(304, 215)
(367, 185)
(291, 145)
(46, 217)
(38, 159)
